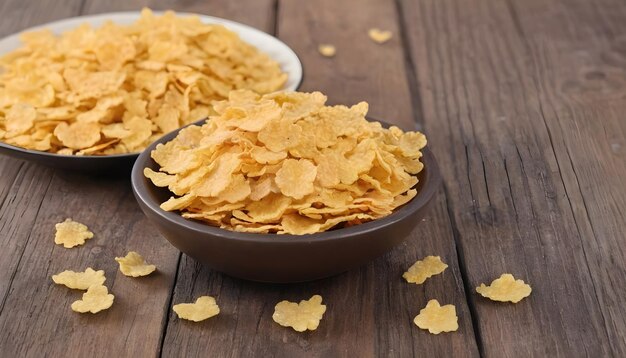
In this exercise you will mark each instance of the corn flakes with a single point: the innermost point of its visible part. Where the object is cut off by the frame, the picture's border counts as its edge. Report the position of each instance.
(255, 165)
(71, 233)
(80, 280)
(134, 265)
(436, 318)
(421, 270)
(327, 50)
(116, 88)
(96, 299)
(378, 35)
(300, 316)
(505, 289)
(205, 307)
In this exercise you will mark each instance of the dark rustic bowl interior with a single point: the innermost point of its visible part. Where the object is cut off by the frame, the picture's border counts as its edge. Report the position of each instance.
(282, 258)
(88, 164)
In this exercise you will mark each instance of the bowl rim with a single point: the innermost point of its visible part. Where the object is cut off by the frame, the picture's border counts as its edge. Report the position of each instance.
(431, 182)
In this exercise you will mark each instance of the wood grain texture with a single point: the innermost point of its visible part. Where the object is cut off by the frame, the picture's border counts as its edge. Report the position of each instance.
(23, 186)
(37, 316)
(18, 15)
(361, 70)
(523, 105)
(21, 203)
(525, 101)
(369, 310)
(257, 13)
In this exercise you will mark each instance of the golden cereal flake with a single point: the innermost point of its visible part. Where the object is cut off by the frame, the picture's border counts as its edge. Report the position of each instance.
(379, 36)
(134, 265)
(505, 289)
(71, 233)
(300, 316)
(80, 280)
(96, 299)
(421, 270)
(205, 307)
(327, 50)
(436, 318)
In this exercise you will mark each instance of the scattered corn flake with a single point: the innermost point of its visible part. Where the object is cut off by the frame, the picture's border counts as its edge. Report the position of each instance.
(71, 233)
(134, 265)
(204, 307)
(300, 316)
(327, 50)
(505, 289)
(421, 270)
(378, 35)
(96, 299)
(436, 318)
(80, 280)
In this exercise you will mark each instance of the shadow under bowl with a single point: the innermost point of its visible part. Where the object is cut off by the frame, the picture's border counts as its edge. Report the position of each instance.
(282, 258)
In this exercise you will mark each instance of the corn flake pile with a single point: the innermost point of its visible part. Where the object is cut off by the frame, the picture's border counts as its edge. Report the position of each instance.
(300, 316)
(286, 163)
(505, 289)
(117, 88)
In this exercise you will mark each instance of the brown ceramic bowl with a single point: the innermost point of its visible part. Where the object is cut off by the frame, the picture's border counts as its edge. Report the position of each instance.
(282, 258)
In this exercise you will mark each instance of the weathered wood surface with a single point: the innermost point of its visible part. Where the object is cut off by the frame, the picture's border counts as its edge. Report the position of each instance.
(523, 104)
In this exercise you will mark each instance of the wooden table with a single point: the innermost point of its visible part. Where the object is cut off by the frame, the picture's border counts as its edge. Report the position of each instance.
(524, 105)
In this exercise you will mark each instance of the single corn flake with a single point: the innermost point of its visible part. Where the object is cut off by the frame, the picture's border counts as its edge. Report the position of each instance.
(78, 135)
(204, 307)
(505, 289)
(19, 119)
(134, 265)
(96, 299)
(295, 177)
(436, 318)
(421, 270)
(305, 315)
(80, 280)
(378, 35)
(71, 233)
(327, 50)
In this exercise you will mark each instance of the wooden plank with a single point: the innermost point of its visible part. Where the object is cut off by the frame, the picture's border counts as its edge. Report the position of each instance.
(259, 14)
(370, 310)
(524, 102)
(36, 316)
(21, 201)
(18, 15)
(22, 185)
(44, 322)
